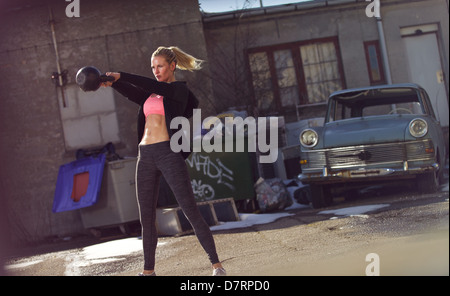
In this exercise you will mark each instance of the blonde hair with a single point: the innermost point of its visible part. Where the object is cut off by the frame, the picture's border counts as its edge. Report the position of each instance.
(183, 61)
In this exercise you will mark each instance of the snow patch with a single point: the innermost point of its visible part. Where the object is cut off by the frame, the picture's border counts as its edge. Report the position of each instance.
(248, 220)
(22, 265)
(354, 211)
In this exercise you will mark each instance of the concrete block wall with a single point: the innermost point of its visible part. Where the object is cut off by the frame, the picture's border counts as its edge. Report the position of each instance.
(38, 134)
(89, 119)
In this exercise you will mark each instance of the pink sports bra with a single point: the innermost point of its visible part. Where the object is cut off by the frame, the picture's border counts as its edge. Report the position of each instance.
(154, 105)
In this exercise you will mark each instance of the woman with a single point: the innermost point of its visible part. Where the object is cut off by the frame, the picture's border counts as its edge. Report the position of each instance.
(160, 101)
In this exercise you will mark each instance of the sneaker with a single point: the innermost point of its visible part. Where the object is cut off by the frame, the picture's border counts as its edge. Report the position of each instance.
(219, 272)
(142, 274)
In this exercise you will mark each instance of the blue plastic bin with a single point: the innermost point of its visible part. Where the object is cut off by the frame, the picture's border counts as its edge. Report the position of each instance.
(78, 185)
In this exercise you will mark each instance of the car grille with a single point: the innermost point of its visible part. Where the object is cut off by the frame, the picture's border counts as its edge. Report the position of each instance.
(363, 155)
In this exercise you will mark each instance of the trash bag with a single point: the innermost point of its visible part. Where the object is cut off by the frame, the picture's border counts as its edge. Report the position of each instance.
(109, 150)
(272, 195)
(298, 191)
(303, 195)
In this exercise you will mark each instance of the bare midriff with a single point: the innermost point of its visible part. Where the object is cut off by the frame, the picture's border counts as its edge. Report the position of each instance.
(155, 130)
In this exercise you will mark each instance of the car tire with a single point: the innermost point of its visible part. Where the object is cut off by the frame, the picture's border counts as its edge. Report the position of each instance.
(320, 196)
(428, 183)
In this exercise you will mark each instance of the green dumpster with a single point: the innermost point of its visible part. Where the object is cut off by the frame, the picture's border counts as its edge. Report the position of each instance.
(217, 175)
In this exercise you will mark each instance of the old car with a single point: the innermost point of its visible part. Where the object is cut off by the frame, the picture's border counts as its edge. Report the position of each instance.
(374, 134)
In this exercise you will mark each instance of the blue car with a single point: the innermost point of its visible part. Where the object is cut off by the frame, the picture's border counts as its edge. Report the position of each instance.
(374, 134)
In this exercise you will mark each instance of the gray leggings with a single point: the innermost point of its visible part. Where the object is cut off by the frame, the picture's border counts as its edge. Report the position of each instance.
(153, 161)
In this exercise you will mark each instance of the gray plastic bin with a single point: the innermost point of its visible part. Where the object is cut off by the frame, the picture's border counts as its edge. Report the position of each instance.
(117, 203)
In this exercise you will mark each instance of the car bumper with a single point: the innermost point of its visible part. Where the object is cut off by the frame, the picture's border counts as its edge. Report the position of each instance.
(366, 174)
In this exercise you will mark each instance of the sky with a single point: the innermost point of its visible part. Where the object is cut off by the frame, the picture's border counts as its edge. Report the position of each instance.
(229, 5)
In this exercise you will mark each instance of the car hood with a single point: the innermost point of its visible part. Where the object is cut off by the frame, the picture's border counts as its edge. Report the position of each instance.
(368, 130)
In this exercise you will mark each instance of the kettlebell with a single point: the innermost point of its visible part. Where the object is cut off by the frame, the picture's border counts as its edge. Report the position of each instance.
(90, 78)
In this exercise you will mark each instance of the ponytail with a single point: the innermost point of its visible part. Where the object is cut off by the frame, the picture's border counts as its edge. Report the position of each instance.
(182, 60)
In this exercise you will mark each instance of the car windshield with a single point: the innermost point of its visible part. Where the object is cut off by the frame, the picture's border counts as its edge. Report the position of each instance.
(374, 103)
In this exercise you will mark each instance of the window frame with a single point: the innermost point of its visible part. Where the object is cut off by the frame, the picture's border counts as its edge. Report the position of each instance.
(294, 48)
(376, 44)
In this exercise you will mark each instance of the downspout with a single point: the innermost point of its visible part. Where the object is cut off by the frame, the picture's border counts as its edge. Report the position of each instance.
(58, 64)
(384, 54)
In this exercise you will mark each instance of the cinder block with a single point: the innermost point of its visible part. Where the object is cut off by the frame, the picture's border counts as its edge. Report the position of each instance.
(172, 221)
(95, 102)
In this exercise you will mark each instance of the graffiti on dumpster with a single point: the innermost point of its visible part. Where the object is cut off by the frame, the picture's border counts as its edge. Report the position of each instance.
(214, 170)
(202, 191)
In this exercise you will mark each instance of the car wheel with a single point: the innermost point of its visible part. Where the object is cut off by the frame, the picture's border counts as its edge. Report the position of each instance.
(320, 196)
(428, 183)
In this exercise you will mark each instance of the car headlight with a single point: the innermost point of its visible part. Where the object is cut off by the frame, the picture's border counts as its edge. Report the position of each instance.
(418, 127)
(309, 138)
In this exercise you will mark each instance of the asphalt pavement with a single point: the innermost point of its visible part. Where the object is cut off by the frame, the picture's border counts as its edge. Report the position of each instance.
(384, 232)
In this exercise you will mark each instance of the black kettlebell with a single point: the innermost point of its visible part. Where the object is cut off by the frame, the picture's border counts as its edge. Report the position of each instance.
(90, 78)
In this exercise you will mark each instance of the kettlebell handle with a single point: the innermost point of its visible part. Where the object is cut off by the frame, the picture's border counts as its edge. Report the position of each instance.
(105, 78)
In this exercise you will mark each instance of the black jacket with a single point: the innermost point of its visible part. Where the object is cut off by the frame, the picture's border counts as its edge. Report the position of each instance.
(178, 99)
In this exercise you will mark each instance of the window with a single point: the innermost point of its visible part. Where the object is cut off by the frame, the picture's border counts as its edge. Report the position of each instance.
(374, 64)
(288, 76)
(321, 69)
(262, 84)
(365, 104)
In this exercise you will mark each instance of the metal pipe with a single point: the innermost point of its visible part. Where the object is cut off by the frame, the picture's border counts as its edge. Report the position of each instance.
(55, 45)
(384, 54)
